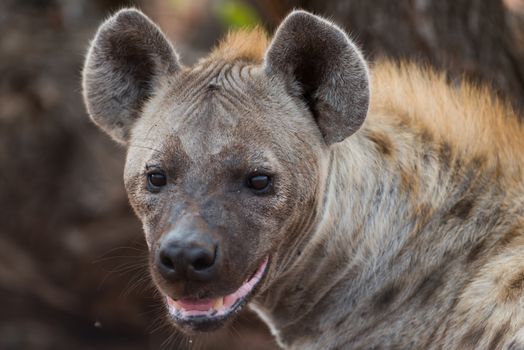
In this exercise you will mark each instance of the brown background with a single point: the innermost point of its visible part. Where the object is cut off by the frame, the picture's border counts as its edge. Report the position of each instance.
(72, 257)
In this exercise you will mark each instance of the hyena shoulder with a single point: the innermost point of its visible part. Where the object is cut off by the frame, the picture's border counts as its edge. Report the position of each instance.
(467, 116)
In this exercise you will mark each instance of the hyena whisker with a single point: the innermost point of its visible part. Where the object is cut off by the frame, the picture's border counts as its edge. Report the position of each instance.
(158, 322)
(175, 341)
(136, 283)
(120, 249)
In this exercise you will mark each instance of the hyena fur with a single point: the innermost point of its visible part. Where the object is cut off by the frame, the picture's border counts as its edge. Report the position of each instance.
(351, 208)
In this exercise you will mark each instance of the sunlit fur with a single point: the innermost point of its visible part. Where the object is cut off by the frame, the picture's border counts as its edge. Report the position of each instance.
(469, 116)
(242, 44)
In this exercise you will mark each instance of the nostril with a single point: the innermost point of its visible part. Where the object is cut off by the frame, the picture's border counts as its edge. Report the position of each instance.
(166, 262)
(203, 262)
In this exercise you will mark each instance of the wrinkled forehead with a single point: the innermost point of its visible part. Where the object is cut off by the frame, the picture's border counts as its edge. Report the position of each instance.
(212, 110)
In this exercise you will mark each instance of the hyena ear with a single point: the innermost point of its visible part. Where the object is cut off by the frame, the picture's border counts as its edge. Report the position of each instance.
(127, 59)
(329, 70)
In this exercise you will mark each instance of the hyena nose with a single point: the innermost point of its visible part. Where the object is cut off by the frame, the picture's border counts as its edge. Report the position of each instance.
(193, 259)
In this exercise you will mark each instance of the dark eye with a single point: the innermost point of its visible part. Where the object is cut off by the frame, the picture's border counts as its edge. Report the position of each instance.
(156, 179)
(259, 183)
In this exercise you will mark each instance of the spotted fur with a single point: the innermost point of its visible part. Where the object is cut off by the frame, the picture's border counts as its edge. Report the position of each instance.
(405, 234)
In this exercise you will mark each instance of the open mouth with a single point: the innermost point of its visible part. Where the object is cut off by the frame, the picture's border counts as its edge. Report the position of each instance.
(215, 309)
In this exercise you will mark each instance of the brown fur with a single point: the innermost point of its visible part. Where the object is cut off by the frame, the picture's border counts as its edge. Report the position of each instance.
(469, 117)
(405, 234)
(243, 44)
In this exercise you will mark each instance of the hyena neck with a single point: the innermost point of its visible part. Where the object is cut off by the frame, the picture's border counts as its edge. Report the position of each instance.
(396, 227)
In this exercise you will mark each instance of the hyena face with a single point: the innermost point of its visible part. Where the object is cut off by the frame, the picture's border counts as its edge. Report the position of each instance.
(215, 187)
(227, 158)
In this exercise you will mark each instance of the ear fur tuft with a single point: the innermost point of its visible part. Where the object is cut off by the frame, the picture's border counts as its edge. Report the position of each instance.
(242, 44)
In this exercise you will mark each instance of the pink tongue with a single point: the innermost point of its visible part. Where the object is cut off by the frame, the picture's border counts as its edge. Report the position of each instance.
(195, 305)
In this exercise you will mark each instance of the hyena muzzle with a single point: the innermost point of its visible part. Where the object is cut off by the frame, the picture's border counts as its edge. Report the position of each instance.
(268, 174)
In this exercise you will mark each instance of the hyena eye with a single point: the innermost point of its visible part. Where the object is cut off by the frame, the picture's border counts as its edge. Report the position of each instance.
(156, 179)
(259, 183)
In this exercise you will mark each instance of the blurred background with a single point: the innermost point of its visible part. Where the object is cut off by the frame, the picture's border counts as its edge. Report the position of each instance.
(72, 256)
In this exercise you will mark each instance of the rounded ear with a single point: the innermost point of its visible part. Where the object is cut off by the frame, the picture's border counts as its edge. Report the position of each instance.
(330, 71)
(126, 60)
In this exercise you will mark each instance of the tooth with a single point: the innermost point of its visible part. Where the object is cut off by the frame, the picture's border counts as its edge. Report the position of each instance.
(219, 304)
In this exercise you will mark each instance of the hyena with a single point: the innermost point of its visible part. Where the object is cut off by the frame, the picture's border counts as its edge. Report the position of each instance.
(351, 208)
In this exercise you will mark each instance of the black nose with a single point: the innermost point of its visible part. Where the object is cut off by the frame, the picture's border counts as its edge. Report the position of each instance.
(190, 259)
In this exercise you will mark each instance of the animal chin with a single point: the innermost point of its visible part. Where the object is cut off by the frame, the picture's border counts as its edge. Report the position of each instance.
(207, 314)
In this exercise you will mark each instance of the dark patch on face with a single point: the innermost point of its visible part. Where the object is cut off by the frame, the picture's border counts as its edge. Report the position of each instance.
(386, 297)
(462, 208)
(471, 339)
(383, 143)
(499, 336)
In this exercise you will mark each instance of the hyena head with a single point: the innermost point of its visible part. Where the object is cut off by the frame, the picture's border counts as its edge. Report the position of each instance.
(227, 158)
